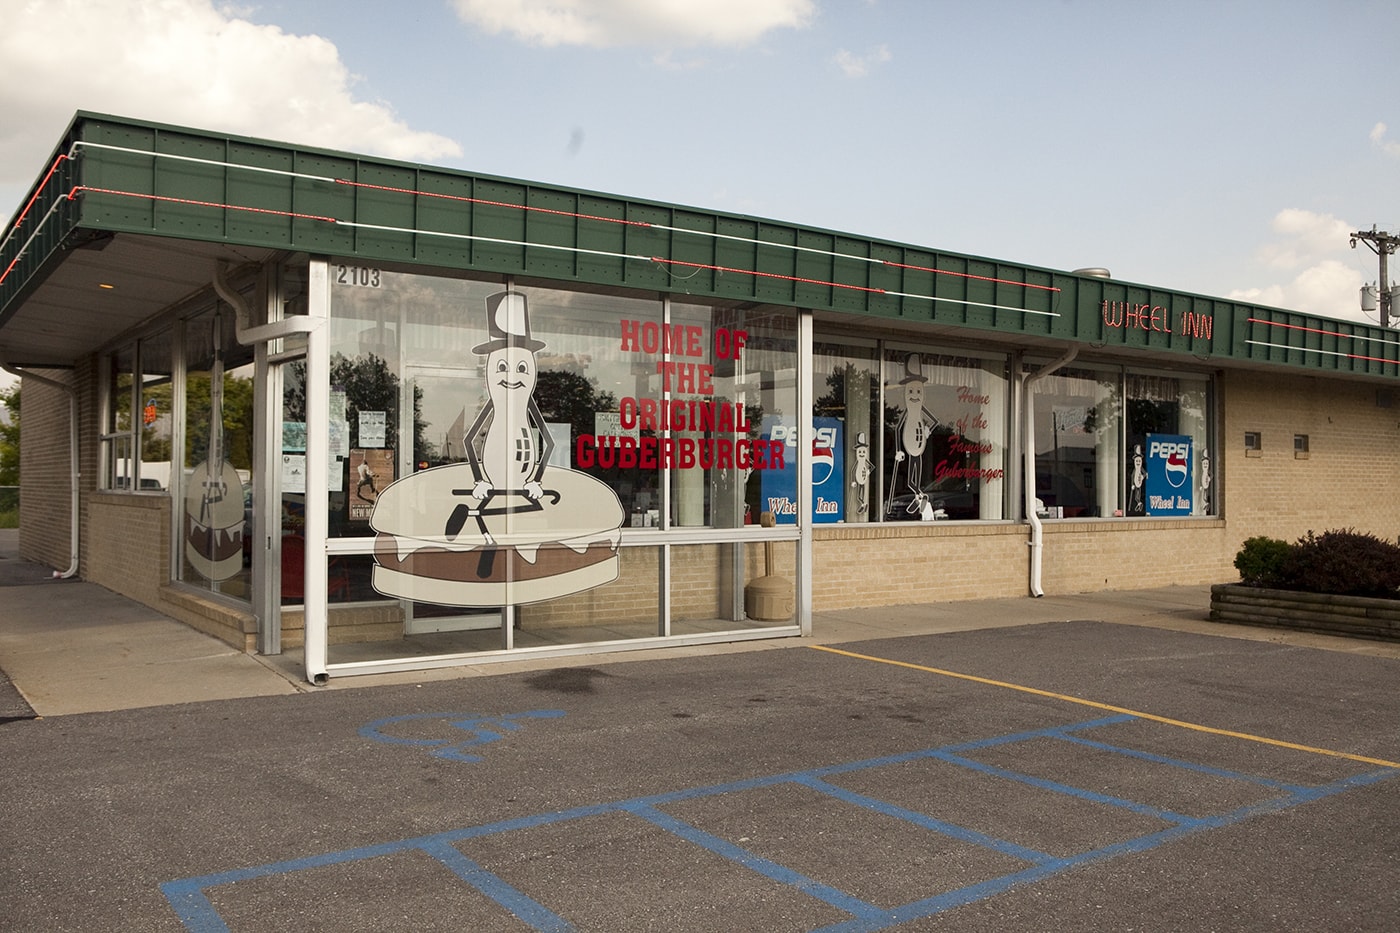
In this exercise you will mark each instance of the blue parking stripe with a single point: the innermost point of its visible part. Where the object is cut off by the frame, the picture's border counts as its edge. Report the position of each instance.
(1047, 733)
(753, 862)
(1184, 765)
(927, 907)
(194, 908)
(961, 833)
(1093, 796)
(490, 884)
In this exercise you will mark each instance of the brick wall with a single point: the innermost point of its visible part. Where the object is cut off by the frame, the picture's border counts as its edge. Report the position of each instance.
(890, 565)
(45, 469)
(1348, 478)
(1133, 553)
(127, 544)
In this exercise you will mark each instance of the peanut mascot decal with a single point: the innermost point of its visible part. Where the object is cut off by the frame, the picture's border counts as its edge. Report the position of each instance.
(915, 426)
(505, 527)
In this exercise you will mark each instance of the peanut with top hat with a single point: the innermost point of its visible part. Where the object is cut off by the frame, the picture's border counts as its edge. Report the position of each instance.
(913, 370)
(508, 323)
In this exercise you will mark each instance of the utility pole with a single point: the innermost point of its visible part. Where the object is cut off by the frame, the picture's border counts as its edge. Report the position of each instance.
(1382, 244)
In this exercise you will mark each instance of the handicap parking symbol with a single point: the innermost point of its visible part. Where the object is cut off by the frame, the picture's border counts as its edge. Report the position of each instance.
(482, 731)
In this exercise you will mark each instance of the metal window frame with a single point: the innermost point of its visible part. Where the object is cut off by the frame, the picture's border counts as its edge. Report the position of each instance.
(320, 547)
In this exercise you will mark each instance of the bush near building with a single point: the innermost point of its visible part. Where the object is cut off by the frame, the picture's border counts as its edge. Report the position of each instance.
(1340, 562)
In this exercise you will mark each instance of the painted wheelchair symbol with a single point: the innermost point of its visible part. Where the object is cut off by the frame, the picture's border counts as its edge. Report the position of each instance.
(483, 729)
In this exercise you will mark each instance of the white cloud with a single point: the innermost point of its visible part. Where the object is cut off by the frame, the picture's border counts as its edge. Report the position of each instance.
(858, 66)
(1306, 237)
(606, 23)
(1378, 139)
(184, 62)
(1310, 247)
(1330, 288)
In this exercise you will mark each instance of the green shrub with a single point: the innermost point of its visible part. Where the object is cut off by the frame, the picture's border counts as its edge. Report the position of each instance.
(1261, 562)
(1344, 562)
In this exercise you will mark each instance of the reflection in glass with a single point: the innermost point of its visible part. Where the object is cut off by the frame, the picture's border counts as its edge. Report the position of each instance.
(217, 508)
(846, 383)
(1174, 406)
(501, 440)
(1078, 437)
(945, 425)
(155, 405)
(117, 431)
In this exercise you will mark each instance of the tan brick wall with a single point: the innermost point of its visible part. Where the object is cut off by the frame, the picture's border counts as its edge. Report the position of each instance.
(345, 625)
(1349, 477)
(1086, 557)
(127, 544)
(890, 565)
(45, 469)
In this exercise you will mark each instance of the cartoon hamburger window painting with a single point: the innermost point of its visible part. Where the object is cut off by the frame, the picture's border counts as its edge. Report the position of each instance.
(505, 527)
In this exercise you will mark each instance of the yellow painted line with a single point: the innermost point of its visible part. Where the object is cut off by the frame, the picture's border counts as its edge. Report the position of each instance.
(1115, 709)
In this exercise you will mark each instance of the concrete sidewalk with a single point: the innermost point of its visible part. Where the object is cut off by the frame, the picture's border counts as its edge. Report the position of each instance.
(67, 646)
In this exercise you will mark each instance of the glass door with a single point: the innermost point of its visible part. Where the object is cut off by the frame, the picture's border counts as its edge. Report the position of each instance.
(435, 436)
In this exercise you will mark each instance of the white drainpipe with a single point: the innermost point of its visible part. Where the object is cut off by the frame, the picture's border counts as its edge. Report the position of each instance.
(1028, 381)
(72, 463)
(244, 331)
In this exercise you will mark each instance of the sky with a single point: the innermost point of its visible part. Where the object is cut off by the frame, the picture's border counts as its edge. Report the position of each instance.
(1227, 148)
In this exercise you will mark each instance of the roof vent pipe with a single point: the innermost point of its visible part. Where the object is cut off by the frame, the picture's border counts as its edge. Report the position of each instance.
(1094, 272)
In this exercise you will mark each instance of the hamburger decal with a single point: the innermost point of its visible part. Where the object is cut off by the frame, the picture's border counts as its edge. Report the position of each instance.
(505, 527)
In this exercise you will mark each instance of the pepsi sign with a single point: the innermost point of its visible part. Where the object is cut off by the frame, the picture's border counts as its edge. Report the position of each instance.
(1169, 487)
(779, 487)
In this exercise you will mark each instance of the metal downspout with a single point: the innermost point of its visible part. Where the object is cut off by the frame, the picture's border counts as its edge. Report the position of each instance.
(1028, 381)
(73, 476)
(247, 334)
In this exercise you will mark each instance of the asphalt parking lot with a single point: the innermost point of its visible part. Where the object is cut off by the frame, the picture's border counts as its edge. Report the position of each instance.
(1074, 775)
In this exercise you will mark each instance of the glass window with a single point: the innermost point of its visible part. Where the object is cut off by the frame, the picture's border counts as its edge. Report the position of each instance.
(136, 450)
(945, 426)
(1110, 442)
(731, 389)
(1077, 438)
(118, 442)
(406, 385)
(218, 456)
(157, 415)
(847, 402)
(622, 393)
(502, 440)
(599, 390)
(1169, 469)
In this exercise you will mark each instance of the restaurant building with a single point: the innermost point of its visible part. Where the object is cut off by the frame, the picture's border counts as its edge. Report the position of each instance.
(397, 417)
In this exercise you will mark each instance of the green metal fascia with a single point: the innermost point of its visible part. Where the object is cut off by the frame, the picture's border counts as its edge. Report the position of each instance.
(43, 224)
(128, 176)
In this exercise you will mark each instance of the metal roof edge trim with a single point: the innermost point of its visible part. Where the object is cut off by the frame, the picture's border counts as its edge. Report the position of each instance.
(538, 229)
